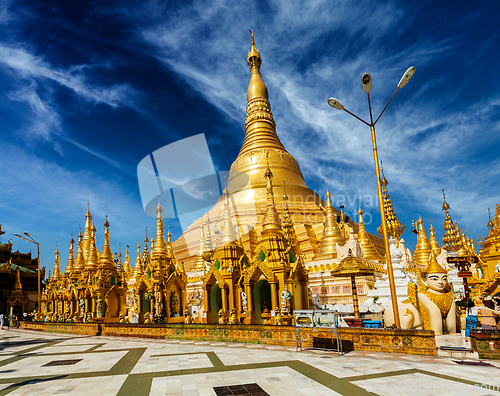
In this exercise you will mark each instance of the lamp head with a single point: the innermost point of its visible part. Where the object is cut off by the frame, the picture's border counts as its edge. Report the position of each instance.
(26, 233)
(335, 104)
(406, 77)
(17, 235)
(366, 80)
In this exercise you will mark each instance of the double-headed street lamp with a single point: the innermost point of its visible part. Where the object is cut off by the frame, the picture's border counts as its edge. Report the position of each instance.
(366, 80)
(32, 240)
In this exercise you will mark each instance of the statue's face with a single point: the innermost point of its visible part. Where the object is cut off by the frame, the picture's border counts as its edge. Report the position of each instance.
(437, 282)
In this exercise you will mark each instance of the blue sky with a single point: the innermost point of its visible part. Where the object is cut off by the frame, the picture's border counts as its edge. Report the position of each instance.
(88, 89)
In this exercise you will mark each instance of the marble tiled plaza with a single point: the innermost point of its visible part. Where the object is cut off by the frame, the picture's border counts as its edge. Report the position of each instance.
(33, 363)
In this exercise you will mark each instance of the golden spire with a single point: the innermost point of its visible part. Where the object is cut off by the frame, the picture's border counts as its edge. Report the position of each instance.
(369, 251)
(208, 236)
(93, 257)
(463, 251)
(394, 228)
(87, 235)
(228, 235)
(451, 237)
(170, 245)
(80, 258)
(331, 233)
(106, 254)
(433, 267)
(423, 248)
(260, 128)
(160, 247)
(288, 228)
(496, 219)
(138, 269)
(271, 223)
(71, 259)
(17, 283)
(57, 270)
(127, 268)
(199, 263)
(434, 244)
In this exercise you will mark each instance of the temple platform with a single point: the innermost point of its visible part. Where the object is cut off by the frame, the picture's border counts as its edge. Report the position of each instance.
(36, 363)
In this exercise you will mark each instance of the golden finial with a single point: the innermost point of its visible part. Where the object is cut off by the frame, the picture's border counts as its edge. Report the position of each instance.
(490, 223)
(446, 207)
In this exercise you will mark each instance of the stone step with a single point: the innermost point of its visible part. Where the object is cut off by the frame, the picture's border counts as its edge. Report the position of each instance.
(457, 352)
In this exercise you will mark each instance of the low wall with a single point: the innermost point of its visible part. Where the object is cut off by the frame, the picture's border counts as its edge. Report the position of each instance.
(91, 329)
(419, 342)
(486, 344)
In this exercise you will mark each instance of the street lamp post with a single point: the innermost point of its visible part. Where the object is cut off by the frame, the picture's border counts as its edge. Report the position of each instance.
(366, 81)
(32, 240)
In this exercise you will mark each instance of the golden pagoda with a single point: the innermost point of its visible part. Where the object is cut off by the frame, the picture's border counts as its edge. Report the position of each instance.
(247, 185)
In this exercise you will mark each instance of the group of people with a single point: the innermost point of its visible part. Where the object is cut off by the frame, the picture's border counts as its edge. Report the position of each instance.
(13, 320)
(486, 311)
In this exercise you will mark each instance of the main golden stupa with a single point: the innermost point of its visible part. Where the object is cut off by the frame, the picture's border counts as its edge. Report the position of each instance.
(246, 183)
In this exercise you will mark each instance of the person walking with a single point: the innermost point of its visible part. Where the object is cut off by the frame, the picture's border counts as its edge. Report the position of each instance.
(471, 319)
(1, 321)
(7, 322)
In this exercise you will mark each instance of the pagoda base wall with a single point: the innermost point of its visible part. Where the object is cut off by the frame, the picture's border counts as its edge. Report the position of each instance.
(91, 329)
(413, 342)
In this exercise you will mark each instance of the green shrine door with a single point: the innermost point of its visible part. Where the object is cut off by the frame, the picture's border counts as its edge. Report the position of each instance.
(215, 303)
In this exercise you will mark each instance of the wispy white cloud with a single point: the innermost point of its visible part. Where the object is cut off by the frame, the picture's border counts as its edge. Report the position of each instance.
(29, 66)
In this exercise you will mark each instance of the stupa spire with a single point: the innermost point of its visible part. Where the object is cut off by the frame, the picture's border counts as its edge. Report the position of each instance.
(288, 228)
(228, 235)
(199, 263)
(57, 269)
(208, 236)
(80, 258)
(369, 251)
(423, 248)
(93, 257)
(17, 282)
(451, 237)
(138, 268)
(271, 223)
(87, 234)
(160, 247)
(260, 128)
(434, 244)
(394, 228)
(106, 257)
(127, 268)
(71, 259)
(331, 233)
